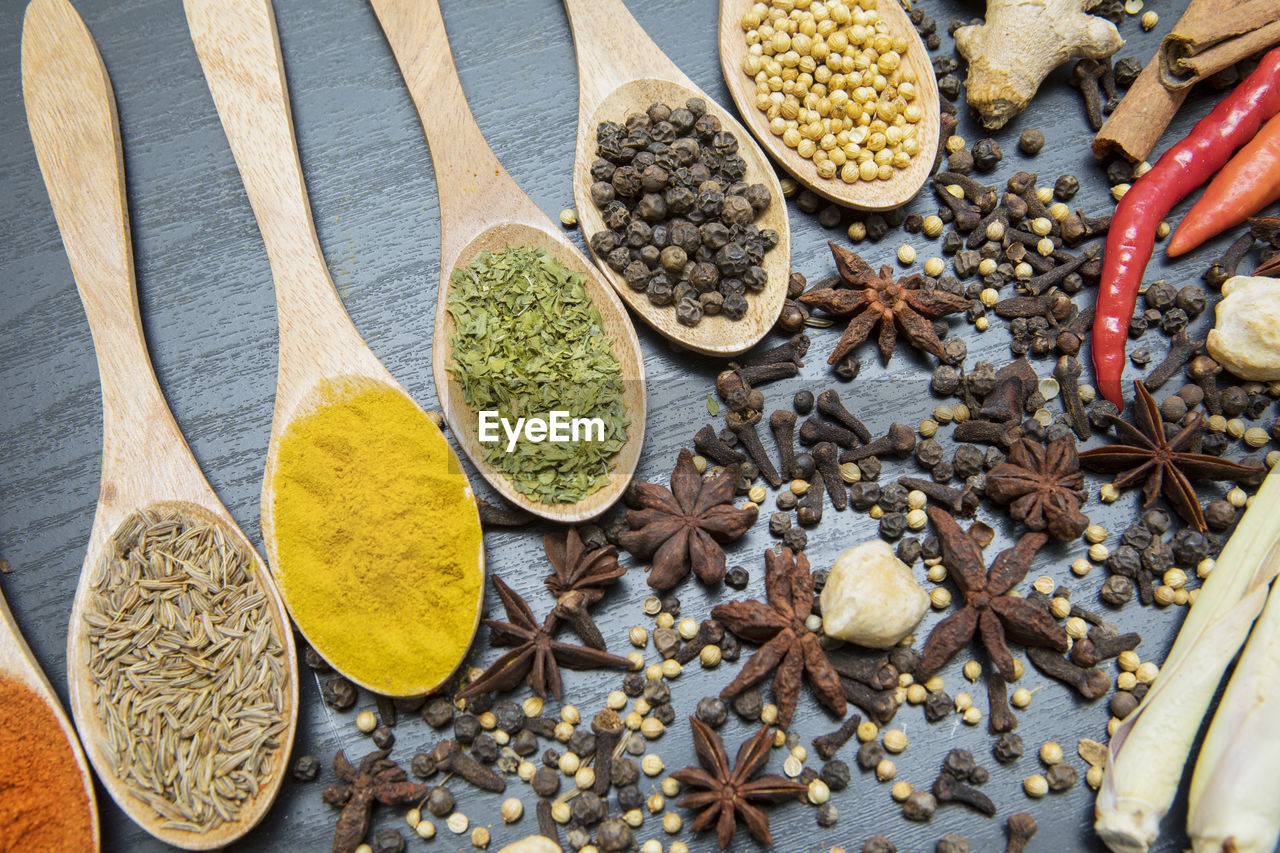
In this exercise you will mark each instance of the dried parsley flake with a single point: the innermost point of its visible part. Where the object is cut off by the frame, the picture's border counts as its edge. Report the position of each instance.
(529, 342)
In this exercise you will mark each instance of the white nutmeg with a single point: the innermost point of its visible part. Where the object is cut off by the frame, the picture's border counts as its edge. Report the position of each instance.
(871, 597)
(1246, 334)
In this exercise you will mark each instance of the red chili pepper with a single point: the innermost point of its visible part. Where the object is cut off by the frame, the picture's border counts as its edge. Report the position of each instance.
(1185, 166)
(1250, 182)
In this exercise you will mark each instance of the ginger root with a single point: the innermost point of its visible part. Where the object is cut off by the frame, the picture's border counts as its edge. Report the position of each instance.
(1019, 43)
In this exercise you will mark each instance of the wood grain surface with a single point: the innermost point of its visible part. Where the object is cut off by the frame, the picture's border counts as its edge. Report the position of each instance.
(209, 314)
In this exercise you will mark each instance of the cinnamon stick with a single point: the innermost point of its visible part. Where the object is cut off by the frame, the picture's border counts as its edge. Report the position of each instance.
(1133, 129)
(1203, 48)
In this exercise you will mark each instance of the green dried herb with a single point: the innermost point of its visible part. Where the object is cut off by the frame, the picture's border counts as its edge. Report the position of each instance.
(713, 408)
(529, 342)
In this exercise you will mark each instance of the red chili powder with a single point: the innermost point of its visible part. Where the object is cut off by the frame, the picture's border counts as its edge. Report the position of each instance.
(43, 805)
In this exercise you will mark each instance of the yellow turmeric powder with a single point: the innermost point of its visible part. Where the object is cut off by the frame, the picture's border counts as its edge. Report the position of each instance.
(377, 539)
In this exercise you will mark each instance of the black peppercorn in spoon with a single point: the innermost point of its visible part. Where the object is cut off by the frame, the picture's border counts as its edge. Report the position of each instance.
(620, 72)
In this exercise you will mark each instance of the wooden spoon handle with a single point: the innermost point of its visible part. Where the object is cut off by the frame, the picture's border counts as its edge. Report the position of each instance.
(71, 111)
(471, 183)
(612, 48)
(239, 50)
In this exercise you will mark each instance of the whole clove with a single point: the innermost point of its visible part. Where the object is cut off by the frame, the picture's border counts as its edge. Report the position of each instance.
(1085, 76)
(876, 673)
(966, 215)
(708, 443)
(492, 515)
(1201, 370)
(987, 432)
(1225, 267)
(1089, 682)
(824, 456)
(745, 430)
(1102, 645)
(1055, 276)
(877, 704)
(451, 758)
(956, 501)
(809, 507)
(608, 731)
(1181, 350)
(975, 192)
(829, 744)
(949, 789)
(1067, 372)
(814, 431)
(546, 823)
(899, 441)
(782, 424)
(829, 406)
(710, 632)
(1078, 227)
(1000, 717)
(1021, 827)
(791, 352)
(762, 373)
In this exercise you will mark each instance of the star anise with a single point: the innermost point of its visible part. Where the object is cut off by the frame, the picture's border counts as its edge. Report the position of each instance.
(1042, 486)
(1162, 464)
(537, 656)
(579, 579)
(987, 611)
(377, 778)
(870, 300)
(725, 794)
(790, 652)
(682, 527)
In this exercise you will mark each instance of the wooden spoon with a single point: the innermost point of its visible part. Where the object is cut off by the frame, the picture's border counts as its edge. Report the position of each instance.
(145, 460)
(18, 664)
(482, 208)
(863, 195)
(621, 71)
(239, 50)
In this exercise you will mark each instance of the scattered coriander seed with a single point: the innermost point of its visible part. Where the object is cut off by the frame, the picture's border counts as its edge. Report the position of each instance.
(1256, 437)
(1108, 493)
(779, 738)
(1093, 776)
(1051, 753)
(885, 770)
(792, 767)
(757, 495)
(819, 792)
(932, 226)
(633, 818)
(1204, 567)
(525, 770)
(633, 720)
(1119, 190)
(876, 512)
(916, 694)
(1059, 607)
(501, 738)
(1112, 725)
(688, 628)
(1021, 698)
(1099, 552)
(656, 803)
(672, 823)
(995, 230)
(955, 143)
(710, 656)
(1146, 672)
(639, 637)
(963, 702)
(900, 791)
(700, 464)
(1044, 585)
(1081, 567)
(425, 830)
(652, 728)
(1162, 230)
(561, 811)
(935, 684)
(569, 763)
(1126, 681)
(916, 519)
(906, 254)
(1059, 211)
(1149, 20)
(366, 721)
(769, 714)
(636, 659)
(857, 231)
(986, 267)
(1237, 497)
(665, 620)
(1128, 660)
(940, 598)
(480, 835)
(867, 731)
(928, 429)
(511, 810)
(671, 668)
(653, 672)
(670, 787)
(563, 731)
(643, 707)
(934, 268)
(1041, 226)
(972, 715)
(1035, 785)
(1018, 668)
(972, 670)
(1272, 458)
(1045, 194)
(850, 472)
(569, 217)
(799, 487)
(488, 721)
(1182, 596)
(1175, 578)
(457, 823)
(652, 605)
(937, 573)
(895, 740)
(585, 778)
(678, 847)
(412, 817)
(651, 764)
(1235, 428)
(981, 324)
(1044, 247)
(1023, 271)
(1076, 628)
(1216, 423)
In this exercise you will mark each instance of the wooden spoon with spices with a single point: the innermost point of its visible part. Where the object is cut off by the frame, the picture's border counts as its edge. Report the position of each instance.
(17, 663)
(860, 194)
(621, 71)
(482, 209)
(323, 365)
(145, 459)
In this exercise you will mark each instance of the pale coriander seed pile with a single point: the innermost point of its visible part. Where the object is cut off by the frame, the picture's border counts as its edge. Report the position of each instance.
(831, 80)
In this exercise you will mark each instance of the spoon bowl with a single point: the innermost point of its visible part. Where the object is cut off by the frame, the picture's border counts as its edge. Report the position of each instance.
(861, 195)
(17, 663)
(145, 461)
(239, 51)
(621, 71)
(482, 209)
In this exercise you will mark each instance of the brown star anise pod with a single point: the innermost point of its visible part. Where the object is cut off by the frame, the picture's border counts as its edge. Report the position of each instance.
(537, 656)
(790, 652)
(724, 793)
(1042, 486)
(683, 526)
(579, 579)
(870, 300)
(377, 778)
(1163, 465)
(987, 611)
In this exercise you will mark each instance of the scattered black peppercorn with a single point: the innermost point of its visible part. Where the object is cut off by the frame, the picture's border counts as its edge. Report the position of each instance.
(339, 694)
(306, 768)
(1007, 748)
(383, 737)
(440, 801)
(1031, 141)
(737, 578)
(712, 711)
(545, 782)
(388, 840)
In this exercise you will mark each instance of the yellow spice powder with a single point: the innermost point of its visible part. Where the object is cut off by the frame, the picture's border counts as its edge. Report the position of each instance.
(377, 539)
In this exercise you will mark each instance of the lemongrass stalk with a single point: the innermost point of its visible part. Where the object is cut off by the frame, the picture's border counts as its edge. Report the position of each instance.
(1235, 789)
(1149, 750)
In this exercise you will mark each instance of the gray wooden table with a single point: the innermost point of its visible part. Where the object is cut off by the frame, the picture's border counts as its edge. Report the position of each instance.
(208, 308)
